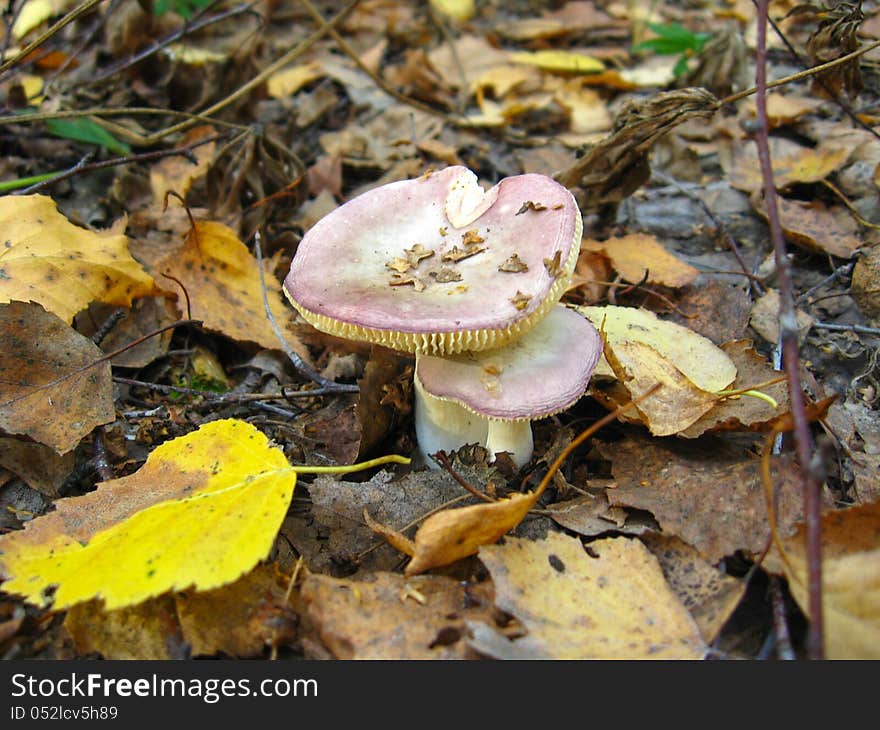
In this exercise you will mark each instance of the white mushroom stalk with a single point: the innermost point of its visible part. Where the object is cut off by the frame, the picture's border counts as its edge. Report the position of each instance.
(491, 397)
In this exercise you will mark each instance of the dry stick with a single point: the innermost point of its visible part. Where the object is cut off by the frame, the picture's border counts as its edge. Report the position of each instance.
(860, 329)
(801, 74)
(443, 459)
(191, 26)
(780, 625)
(828, 90)
(791, 357)
(328, 385)
(836, 274)
(43, 37)
(84, 165)
(849, 206)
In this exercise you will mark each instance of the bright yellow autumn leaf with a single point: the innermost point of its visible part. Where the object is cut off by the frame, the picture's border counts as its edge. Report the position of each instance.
(460, 10)
(36, 12)
(565, 61)
(203, 510)
(47, 259)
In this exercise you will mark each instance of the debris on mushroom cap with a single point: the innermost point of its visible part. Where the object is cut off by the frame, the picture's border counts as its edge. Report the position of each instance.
(370, 270)
(540, 374)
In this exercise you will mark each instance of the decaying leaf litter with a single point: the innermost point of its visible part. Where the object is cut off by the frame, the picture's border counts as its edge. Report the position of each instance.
(134, 224)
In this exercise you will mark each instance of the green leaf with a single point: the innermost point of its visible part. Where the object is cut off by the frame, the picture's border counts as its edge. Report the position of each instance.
(184, 8)
(672, 38)
(85, 130)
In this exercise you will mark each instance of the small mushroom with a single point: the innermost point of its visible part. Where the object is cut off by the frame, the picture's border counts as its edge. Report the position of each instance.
(346, 276)
(491, 397)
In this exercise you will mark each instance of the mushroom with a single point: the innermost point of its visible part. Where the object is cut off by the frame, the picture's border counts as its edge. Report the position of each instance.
(436, 264)
(490, 397)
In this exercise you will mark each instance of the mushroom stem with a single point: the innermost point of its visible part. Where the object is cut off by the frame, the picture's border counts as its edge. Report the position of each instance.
(442, 425)
(515, 437)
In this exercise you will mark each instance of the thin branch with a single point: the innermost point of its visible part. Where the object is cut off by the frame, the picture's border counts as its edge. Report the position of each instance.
(860, 329)
(328, 385)
(802, 74)
(790, 353)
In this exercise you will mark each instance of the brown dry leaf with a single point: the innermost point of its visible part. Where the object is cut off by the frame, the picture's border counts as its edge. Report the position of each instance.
(711, 498)
(37, 465)
(454, 534)
(47, 259)
(717, 311)
(145, 316)
(722, 64)
(856, 425)
(836, 35)
(608, 601)
(177, 174)
(384, 397)
(814, 226)
(239, 619)
(850, 579)
(223, 283)
(784, 109)
(137, 632)
(792, 163)
(50, 388)
(764, 318)
(673, 408)
(638, 254)
(391, 617)
(618, 165)
(745, 413)
(572, 17)
(866, 283)
(592, 516)
(710, 595)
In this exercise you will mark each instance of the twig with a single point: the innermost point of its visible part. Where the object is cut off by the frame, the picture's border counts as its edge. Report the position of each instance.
(780, 625)
(860, 329)
(833, 276)
(49, 32)
(801, 74)
(328, 385)
(849, 206)
(791, 356)
(220, 398)
(442, 458)
(99, 460)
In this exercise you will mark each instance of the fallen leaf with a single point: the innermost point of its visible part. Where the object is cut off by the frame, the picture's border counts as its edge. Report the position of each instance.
(392, 617)
(764, 318)
(717, 311)
(784, 109)
(711, 498)
(814, 226)
(223, 282)
(745, 413)
(52, 389)
(678, 403)
(49, 260)
(460, 10)
(203, 510)
(288, 81)
(638, 254)
(866, 283)
(565, 61)
(37, 465)
(709, 594)
(792, 162)
(35, 12)
(454, 534)
(607, 601)
(850, 579)
(592, 516)
(572, 17)
(177, 174)
(135, 632)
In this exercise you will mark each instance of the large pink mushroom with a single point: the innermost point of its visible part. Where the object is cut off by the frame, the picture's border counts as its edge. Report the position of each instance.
(437, 265)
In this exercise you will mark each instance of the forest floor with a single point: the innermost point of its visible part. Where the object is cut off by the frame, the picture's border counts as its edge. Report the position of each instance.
(174, 155)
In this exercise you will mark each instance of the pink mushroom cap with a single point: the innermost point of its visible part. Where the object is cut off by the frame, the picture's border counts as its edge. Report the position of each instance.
(438, 265)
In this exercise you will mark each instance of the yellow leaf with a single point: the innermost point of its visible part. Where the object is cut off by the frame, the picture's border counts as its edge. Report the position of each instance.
(638, 254)
(460, 10)
(203, 510)
(611, 604)
(47, 259)
(453, 534)
(223, 281)
(220, 494)
(565, 61)
(697, 358)
(35, 13)
(178, 173)
(850, 580)
(290, 80)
